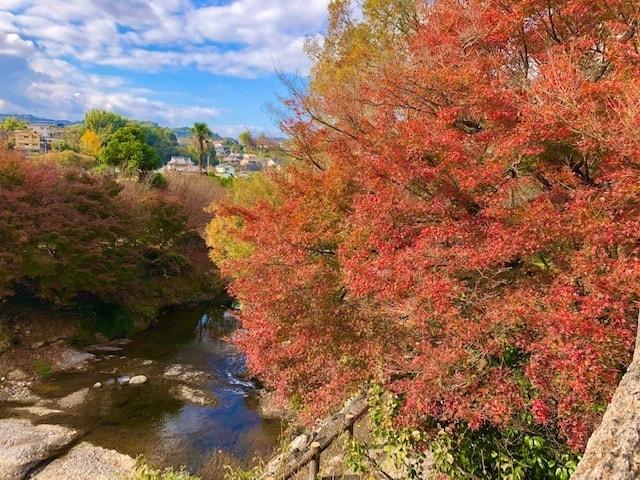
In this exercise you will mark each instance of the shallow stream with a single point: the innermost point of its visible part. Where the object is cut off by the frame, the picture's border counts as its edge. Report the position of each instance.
(150, 419)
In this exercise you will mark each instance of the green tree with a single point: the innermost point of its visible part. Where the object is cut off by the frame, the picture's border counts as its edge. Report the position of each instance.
(103, 123)
(11, 124)
(129, 151)
(200, 134)
(246, 139)
(163, 140)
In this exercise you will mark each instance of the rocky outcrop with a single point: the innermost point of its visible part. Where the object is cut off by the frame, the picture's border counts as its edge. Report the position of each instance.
(87, 462)
(613, 451)
(24, 446)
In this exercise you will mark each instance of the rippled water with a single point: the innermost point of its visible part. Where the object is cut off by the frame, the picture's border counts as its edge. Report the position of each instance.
(148, 420)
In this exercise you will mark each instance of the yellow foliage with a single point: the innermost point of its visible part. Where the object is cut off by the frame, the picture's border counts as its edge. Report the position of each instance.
(224, 231)
(90, 143)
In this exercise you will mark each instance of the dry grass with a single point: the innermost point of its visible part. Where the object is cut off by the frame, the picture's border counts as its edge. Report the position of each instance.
(196, 193)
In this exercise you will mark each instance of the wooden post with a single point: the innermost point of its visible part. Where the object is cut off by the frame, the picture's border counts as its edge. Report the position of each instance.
(350, 424)
(314, 464)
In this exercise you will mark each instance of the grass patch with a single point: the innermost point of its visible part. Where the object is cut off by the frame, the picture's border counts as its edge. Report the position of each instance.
(43, 369)
(144, 471)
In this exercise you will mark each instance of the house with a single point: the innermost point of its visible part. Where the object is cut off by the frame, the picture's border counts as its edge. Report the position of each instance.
(274, 163)
(225, 170)
(221, 149)
(182, 165)
(252, 166)
(26, 140)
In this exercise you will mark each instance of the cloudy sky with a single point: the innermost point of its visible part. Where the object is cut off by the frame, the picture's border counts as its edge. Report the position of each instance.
(169, 61)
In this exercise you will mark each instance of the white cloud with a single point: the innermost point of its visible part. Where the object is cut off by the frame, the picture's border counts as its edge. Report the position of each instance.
(57, 41)
(242, 38)
(13, 45)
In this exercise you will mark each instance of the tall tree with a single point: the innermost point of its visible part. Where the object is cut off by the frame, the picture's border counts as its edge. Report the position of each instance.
(246, 139)
(103, 123)
(201, 135)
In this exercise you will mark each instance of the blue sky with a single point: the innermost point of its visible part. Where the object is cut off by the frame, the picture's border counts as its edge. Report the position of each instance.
(169, 61)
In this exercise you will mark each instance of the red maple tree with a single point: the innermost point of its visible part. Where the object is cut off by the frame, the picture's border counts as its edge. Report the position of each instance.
(463, 225)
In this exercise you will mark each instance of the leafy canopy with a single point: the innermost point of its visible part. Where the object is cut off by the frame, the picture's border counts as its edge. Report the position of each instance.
(128, 150)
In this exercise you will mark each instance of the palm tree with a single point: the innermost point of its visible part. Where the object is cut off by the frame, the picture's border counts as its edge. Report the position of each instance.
(201, 134)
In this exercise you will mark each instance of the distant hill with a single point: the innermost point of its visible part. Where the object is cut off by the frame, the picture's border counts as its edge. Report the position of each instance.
(184, 132)
(33, 119)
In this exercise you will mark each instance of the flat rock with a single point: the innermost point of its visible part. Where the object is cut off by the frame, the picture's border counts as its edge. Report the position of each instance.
(24, 445)
(74, 399)
(103, 348)
(88, 462)
(73, 359)
(185, 373)
(193, 395)
(36, 411)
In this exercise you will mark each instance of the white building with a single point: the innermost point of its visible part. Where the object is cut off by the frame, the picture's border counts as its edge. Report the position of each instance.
(182, 165)
(225, 170)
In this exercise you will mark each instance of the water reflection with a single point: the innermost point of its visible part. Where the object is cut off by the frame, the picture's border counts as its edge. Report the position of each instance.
(151, 421)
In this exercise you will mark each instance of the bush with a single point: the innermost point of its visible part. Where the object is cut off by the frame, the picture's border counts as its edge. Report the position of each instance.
(158, 181)
(115, 251)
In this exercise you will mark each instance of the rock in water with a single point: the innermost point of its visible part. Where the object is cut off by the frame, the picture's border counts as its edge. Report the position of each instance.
(193, 395)
(73, 399)
(87, 462)
(23, 445)
(138, 380)
(124, 380)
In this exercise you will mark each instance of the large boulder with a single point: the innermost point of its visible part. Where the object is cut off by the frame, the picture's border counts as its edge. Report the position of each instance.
(23, 446)
(613, 451)
(87, 462)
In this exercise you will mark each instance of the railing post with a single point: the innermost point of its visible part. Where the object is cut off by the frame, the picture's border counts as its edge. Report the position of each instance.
(314, 464)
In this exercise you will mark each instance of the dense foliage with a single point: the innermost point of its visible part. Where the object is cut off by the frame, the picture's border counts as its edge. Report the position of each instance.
(128, 149)
(81, 240)
(463, 223)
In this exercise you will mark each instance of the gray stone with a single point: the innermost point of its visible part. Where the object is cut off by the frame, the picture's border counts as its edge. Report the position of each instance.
(613, 451)
(97, 385)
(87, 462)
(124, 379)
(138, 380)
(298, 443)
(23, 445)
(74, 399)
